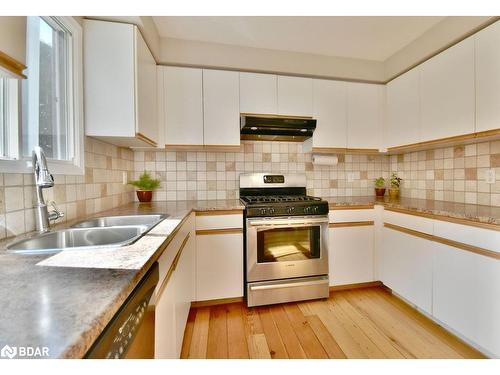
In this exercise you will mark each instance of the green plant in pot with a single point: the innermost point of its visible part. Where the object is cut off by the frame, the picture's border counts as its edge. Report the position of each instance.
(145, 186)
(380, 187)
(395, 184)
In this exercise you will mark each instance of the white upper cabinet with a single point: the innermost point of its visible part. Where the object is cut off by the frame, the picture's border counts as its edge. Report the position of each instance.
(403, 109)
(183, 106)
(447, 92)
(488, 78)
(295, 96)
(330, 111)
(365, 111)
(221, 107)
(258, 93)
(120, 85)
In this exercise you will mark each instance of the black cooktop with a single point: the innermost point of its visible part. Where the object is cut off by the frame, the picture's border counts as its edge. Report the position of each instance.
(283, 205)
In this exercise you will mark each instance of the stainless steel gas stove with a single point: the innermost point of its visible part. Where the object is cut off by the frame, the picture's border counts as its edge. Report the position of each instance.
(286, 239)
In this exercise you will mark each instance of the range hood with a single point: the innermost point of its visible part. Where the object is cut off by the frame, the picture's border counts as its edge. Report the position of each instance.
(276, 128)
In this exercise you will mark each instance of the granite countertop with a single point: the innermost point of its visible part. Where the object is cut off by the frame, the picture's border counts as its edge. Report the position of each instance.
(63, 301)
(470, 212)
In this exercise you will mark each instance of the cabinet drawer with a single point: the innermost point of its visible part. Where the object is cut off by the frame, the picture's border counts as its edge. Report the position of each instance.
(483, 238)
(342, 216)
(418, 223)
(214, 220)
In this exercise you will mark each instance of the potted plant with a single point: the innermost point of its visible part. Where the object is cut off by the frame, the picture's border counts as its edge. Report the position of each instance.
(145, 186)
(395, 184)
(380, 187)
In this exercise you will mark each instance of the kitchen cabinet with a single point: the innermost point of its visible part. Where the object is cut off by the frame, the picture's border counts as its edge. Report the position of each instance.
(487, 60)
(175, 292)
(120, 85)
(330, 112)
(365, 111)
(183, 106)
(295, 96)
(350, 254)
(405, 263)
(221, 108)
(466, 289)
(219, 266)
(447, 92)
(258, 93)
(403, 109)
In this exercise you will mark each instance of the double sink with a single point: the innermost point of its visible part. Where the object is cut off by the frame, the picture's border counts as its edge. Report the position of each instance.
(109, 231)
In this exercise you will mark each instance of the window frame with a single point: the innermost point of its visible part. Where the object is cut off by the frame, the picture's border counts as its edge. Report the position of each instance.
(19, 164)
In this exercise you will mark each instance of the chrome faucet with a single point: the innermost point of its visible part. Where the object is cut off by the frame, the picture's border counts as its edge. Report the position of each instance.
(43, 180)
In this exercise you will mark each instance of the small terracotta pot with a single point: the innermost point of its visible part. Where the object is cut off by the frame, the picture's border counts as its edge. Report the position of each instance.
(144, 195)
(394, 192)
(380, 192)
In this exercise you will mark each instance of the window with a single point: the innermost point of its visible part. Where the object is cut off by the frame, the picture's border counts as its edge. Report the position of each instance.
(8, 117)
(51, 98)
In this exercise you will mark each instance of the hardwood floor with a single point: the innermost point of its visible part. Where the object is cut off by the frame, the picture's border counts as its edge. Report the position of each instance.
(361, 323)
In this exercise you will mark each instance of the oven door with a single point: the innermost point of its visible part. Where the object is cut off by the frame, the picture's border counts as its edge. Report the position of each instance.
(281, 248)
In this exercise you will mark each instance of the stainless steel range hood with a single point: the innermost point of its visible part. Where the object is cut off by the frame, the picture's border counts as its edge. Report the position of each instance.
(276, 128)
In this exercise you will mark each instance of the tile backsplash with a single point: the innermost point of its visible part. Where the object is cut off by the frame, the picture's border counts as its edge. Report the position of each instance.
(456, 174)
(215, 175)
(101, 188)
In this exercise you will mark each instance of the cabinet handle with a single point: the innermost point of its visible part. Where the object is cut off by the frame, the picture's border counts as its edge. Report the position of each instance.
(174, 265)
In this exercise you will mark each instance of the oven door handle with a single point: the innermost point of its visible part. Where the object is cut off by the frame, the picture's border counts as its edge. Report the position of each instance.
(287, 222)
(288, 285)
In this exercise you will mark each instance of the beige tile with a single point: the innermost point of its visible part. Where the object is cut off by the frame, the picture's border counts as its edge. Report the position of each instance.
(14, 198)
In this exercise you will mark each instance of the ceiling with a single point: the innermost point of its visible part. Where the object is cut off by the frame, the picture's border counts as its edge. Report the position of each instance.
(369, 38)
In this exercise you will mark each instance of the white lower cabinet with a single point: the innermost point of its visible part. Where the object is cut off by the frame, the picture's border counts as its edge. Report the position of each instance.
(465, 290)
(405, 263)
(219, 266)
(350, 254)
(174, 301)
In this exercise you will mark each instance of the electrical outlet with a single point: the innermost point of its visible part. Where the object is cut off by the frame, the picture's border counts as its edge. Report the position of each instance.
(124, 178)
(350, 176)
(490, 176)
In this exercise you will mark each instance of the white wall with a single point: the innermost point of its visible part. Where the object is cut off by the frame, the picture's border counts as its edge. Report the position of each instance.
(13, 37)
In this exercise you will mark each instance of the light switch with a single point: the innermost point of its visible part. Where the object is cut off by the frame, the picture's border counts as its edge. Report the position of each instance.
(124, 178)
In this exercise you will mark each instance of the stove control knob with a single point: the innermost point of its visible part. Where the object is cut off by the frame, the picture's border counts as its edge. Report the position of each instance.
(263, 211)
(290, 210)
(307, 210)
(271, 211)
(315, 209)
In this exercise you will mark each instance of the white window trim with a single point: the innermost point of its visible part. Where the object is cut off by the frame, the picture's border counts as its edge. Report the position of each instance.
(61, 167)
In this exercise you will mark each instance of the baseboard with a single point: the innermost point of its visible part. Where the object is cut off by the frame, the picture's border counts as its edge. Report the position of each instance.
(215, 302)
(369, 284)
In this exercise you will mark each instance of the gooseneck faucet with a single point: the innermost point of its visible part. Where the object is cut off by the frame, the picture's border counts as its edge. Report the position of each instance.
(43, 180)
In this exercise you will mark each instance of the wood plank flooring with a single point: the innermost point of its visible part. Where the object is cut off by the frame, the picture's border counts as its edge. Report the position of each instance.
(360, 323)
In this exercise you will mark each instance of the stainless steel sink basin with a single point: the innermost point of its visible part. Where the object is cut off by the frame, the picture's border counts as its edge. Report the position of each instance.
(79, 238)
(113, 221)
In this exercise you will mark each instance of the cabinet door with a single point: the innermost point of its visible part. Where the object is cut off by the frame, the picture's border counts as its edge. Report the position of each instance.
(183, 106)
(447, 92)
(219, 266)
(365, 114)
(488, 78)
(184, 295)
(258, 93)
(165, 325)
(295, 96)
(146, 93)
(406, 266)
(221, 107)
(350, 255)
(466, 290)
(403, 109)
(109, 79)
(330, 112)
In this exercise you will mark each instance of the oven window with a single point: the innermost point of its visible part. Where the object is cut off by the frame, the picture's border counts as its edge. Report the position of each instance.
(288, 244)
